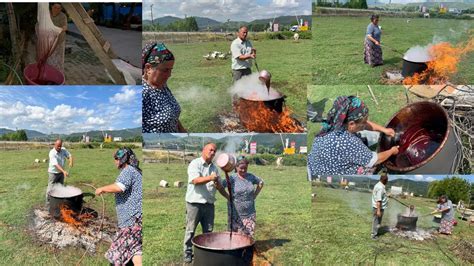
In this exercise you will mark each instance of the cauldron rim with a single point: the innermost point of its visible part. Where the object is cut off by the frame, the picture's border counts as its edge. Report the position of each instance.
(416, 62)
(50, 193)
(281, 97)
(440, 147)
(252, 241)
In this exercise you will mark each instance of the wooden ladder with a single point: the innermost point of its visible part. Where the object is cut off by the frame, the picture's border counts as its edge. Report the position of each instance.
(94, 38)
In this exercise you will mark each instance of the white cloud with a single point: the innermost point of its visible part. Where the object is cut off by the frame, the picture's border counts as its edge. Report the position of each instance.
(418, 177)
(58, 95)
(95, 121)
(221, 10)
(125, 97)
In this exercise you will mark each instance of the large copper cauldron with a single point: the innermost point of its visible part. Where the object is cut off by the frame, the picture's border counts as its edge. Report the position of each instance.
(215, 249)
(426, 139)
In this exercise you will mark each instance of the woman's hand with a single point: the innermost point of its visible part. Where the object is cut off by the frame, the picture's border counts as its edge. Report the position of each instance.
(377, 43)
(395, 150)
(99, 191)
(389, 132)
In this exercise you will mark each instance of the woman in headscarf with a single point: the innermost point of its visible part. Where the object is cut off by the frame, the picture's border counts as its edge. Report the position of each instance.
(445, 207)
(127, 243)
(160, 110)
(245, 189)
(336, 148)
(373, 50)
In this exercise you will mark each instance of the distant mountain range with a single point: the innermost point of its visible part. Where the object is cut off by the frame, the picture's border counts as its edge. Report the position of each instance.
(96, 134)
(267, 140)
(205, 23)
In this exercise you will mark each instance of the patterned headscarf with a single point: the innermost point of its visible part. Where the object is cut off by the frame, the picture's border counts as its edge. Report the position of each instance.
(126, 156)
(155, 53)
(345, 108)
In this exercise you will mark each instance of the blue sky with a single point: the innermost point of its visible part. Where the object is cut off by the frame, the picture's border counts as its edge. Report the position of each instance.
(221, 10)
(68, 109)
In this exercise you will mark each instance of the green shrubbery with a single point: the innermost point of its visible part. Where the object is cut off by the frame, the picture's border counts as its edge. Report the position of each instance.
(284, 35)
(288, 160)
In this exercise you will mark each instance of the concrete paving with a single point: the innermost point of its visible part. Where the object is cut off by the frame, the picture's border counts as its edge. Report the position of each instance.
(127, 44)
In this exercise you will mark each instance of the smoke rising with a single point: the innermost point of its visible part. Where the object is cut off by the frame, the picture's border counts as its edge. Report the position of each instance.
(251, 88)
(61, 191)
(418, 54)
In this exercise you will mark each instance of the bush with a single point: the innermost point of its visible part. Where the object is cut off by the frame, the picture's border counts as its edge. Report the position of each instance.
(284, 35)
(288, 160)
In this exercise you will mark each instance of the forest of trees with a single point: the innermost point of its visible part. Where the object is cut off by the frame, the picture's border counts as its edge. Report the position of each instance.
(19, 135)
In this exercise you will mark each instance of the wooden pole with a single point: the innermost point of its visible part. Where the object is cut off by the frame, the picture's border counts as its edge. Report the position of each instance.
(94, 38)
(372, 94)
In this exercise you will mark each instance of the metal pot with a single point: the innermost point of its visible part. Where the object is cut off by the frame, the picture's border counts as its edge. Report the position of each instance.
(409, 68)
(406, 223)
(426, 139)
(274, 101)
(73, 201)
(219, 249)
(226, 162)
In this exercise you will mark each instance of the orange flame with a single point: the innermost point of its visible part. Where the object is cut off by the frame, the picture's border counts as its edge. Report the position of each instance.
(70, 217)
(445, 63)
(67, 216)
(255, 116)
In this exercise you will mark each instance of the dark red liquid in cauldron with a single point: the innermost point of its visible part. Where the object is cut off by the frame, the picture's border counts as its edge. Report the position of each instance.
(416, 145)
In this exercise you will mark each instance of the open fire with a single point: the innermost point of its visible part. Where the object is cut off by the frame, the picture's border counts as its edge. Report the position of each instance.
(444, 63)
(76, 219)
(83, 231)
(257, 117)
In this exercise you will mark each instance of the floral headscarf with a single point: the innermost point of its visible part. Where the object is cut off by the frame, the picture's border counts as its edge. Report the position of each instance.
(155, 53)
(345, 108)
(126, 156)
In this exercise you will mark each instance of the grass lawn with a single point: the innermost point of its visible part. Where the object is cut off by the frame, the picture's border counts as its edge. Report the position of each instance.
(201, 86)
(338, 46)
(390, 99)
(283, 215)
(342, 222)
(23, 188)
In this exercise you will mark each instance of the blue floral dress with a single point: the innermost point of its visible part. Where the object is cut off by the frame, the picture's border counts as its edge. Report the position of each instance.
(160, 110)
(243, 196)
(340, 153)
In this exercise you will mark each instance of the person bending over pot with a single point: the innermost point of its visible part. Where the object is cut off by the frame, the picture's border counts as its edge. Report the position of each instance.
(245, 189)
(336, 148)
(445, 207)
(127, 243)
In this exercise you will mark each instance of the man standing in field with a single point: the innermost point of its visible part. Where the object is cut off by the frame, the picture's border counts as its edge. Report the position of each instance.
(203, 180)
(379, 204)
(57, 160)
(242, 55)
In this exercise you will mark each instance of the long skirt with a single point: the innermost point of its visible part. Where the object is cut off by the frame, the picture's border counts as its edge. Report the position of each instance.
(446, 227)
(372, 54)
(244, 225)
(126, 244)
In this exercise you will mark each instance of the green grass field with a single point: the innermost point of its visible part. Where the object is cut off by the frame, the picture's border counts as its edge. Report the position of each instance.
(23, 186)
(201, 86)
(342, 222)
(283, 215)
(338, 47)
(390, 100)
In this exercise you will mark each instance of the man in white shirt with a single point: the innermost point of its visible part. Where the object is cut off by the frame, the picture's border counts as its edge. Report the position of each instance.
(379, 204)
(203, 180)
(242, 55)
(57, 161)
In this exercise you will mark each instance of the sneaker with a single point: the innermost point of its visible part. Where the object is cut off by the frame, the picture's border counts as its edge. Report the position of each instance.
(375, 237)
(188, 258)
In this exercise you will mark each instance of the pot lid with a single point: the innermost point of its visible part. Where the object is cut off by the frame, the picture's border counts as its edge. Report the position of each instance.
(60, 191)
